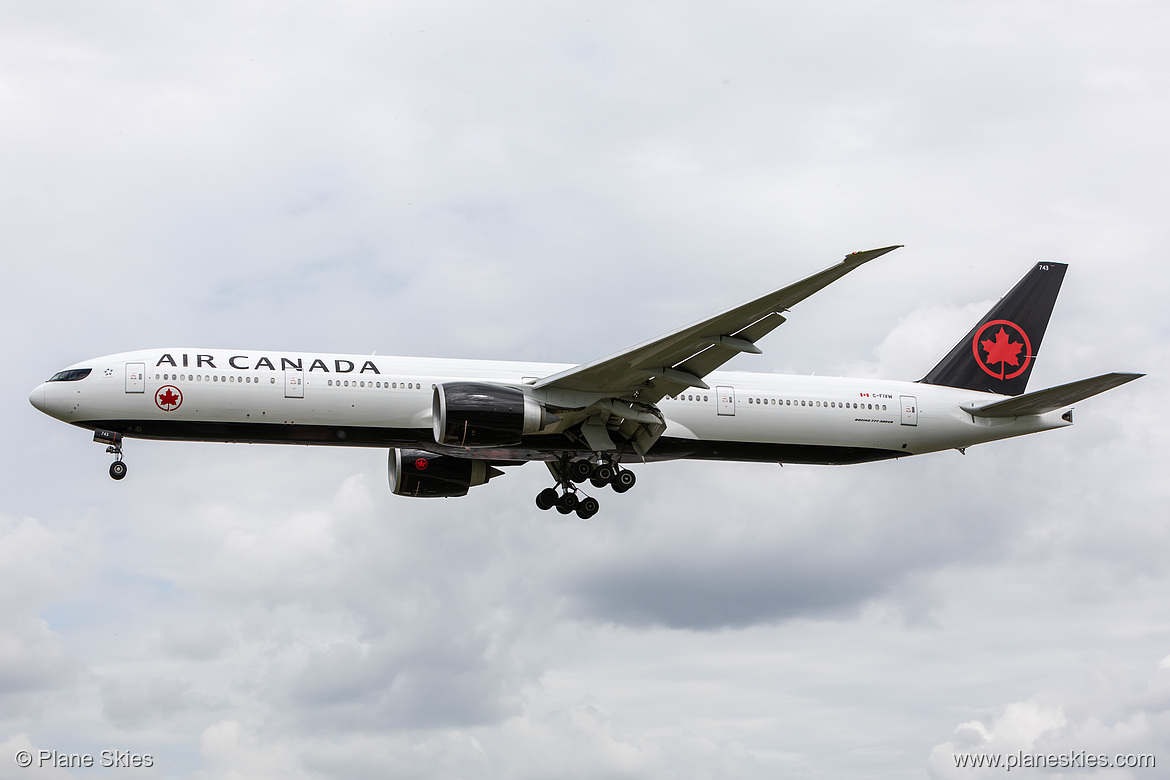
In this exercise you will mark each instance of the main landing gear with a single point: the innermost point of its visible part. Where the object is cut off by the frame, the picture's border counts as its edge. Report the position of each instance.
(114, 440)
(569, 474)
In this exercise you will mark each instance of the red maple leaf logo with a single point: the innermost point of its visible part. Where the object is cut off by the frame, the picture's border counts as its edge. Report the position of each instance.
(420, 464)
(168, 398)
(1003, 349)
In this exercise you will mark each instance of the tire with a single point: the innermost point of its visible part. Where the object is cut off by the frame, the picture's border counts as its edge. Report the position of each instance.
(567, 503)
(117, 469)
(598, 483)
(603, 472)
(623, 481)
(579, 470)
(547, 498)
(588, 508)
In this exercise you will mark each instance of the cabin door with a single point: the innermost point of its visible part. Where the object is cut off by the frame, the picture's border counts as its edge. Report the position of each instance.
(909, 410)
(726, 401)
(135, 377)
(294, 384)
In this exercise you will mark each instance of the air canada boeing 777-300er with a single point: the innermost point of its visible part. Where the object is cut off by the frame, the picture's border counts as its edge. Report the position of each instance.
(450, 425)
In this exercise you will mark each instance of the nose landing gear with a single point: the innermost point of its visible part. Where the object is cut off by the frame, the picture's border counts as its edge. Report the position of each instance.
(114, 440)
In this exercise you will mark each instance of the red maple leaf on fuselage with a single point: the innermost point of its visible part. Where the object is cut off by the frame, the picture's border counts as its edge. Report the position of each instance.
(168, 398)
(1003, 350)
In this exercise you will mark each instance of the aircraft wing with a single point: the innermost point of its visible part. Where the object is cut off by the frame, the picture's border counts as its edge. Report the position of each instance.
(680, 359)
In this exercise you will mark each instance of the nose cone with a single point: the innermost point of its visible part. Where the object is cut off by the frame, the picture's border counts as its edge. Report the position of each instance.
(37, 397)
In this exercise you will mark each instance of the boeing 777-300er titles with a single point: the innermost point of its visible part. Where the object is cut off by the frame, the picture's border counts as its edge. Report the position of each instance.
(453, 424)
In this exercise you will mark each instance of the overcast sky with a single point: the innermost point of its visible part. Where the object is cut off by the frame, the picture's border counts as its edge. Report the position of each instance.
(556, 181)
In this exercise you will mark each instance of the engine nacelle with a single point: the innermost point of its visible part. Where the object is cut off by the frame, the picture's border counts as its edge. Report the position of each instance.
(478, 414)
(427, 475)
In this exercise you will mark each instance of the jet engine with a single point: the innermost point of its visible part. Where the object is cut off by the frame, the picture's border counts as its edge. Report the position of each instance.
(478, 414)
(427, 475)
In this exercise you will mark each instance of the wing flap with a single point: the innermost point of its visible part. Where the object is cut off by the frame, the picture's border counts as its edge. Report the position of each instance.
(1052, 398)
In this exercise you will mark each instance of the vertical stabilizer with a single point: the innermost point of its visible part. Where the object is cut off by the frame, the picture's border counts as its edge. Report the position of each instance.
(998, 354)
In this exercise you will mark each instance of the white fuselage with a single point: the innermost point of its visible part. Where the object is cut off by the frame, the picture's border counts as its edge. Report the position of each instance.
(357, 400)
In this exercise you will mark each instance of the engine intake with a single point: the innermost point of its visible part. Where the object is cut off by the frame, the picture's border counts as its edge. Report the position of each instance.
(478, 414)
(426, 475)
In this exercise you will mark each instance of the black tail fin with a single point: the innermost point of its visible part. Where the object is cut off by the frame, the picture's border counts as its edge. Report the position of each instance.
(998, 354)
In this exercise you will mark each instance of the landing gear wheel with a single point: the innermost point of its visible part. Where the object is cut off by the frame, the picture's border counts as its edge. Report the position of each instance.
(567, 503)
(602, 472)
(598, 483)
(547, 498)
(588, 508)
(623, 481)
(117, 469)
(580, 470)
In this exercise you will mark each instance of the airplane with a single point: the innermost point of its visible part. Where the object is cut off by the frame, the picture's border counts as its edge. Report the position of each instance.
(451, 425)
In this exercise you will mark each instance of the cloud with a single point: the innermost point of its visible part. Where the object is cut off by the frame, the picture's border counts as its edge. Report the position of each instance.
(40, 565)
(18, 742)
(137, 702)
(1035, 730)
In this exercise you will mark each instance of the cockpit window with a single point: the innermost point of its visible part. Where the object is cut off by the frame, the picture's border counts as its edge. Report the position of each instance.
(72, 375)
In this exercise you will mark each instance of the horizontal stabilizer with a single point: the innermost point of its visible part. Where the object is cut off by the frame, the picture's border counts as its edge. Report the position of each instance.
(1051, 399)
